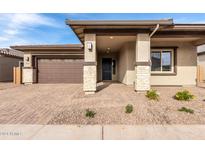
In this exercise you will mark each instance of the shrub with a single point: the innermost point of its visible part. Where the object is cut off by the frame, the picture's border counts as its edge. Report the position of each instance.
(90, 113)
(187, 110)
(152, 95)
(129, 108)
(184, 95)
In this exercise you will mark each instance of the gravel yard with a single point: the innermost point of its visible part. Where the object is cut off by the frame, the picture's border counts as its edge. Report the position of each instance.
(109, 106)
(67, 104)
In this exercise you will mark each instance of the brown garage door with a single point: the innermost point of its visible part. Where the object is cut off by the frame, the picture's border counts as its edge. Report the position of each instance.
(60, 70)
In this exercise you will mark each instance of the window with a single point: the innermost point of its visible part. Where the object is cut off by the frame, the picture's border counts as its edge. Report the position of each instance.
(162, 60)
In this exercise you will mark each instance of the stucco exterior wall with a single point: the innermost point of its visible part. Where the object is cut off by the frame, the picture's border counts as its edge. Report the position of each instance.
(27, 60)
(90, 56)
(201, 62)
(6, 67)
(126, 63)
(186, 67)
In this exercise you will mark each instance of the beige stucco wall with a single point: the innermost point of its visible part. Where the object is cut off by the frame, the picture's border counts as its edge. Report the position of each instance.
(90, 56)
(114, 56)
(27, 60)
(6, 67)
(186, 64)
(142, 47)
(126, 63)
(201, 62)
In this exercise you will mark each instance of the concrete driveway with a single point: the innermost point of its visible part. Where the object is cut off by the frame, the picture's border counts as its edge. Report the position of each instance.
(34, 104)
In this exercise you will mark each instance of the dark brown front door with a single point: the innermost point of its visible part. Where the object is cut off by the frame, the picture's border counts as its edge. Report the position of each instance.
(107, 68)
(60, 70)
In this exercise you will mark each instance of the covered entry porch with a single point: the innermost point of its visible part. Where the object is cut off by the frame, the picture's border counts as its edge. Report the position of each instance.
(116, 51)
(123, 58)
(114, 54)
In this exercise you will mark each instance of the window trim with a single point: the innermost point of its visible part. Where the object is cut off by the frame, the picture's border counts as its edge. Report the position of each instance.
(172, 60)
(113, 66)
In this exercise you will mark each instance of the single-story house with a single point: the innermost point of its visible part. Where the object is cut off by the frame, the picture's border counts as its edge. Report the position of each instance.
(9, 58)
(142, 53)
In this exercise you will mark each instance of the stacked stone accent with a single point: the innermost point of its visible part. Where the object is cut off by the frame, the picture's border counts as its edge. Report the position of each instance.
(89, 78)
(142, 81)
(29, 75)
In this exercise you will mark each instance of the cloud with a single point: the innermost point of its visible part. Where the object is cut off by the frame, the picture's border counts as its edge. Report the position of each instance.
(14, 26)
(32, 20)
(3, 39)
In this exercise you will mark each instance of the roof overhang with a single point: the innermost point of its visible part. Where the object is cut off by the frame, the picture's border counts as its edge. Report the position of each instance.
(66, 49)
(48, 47)
(131, 27)
(118, 27)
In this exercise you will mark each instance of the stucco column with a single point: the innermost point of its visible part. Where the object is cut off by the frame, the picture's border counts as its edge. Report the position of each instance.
(29, 73)
(90, 64)
(142, 67)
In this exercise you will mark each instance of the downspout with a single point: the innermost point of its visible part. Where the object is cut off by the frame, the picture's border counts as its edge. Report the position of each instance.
(154, 31)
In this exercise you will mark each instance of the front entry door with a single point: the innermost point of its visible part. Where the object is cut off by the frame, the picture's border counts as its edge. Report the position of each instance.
(107, 69)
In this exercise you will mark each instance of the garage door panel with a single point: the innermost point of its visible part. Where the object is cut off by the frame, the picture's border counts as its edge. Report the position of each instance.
(60, 71)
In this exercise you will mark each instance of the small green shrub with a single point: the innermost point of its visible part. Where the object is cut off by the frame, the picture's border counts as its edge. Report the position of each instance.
(90, 113)
(129, 108)
(187, 110)
(184, 95)
(152, 95)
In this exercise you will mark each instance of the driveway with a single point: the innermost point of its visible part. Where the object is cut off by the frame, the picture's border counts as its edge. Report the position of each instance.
(34, 104)
(66, 104)
(7, 85)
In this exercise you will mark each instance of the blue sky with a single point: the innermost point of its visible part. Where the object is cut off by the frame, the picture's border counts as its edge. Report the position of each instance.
(20, 29)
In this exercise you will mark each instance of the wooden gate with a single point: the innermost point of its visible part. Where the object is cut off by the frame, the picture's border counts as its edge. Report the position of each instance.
(200, 77)
(17, 75)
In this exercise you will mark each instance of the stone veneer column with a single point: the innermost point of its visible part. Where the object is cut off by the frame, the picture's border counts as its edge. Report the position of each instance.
(142, 67)
(90, 64)
(29, 73)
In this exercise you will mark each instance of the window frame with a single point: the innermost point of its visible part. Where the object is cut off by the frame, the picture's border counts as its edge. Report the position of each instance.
(172, 60)
(113, 66)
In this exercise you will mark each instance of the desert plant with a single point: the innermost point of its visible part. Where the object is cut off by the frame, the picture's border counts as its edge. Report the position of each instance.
(152, 95)
(187, 110)
(90, 113)
(129, 108)
(184, 95)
